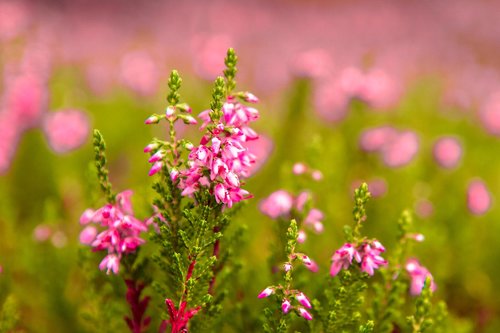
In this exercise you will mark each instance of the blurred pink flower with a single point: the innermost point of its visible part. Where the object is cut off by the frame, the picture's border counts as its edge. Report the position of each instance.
(66, 130)
(489, 114)
(330, 102)
(210, 52)
(26, 99)
(447, 152)
(42, 232)
(262, 150)
(88, 234)
(377, 187)
(401, 150)
(379, 90)
(418, 275)
(14, 18)
(312, 63)
(478, 197)
(424, 208)
(374, 139)
(397, 148)
(277, 204)
(9, 137)
(139, 72)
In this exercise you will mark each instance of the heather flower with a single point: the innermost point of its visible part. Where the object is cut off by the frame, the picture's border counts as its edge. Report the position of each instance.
(66, 130)
(418, 275)
(121, 234)
(277, 204)
(42, 232)
(314, 218)
(478, 197)
(286, 306)
(302, 299)
(401, 150)
(490, 114)
(374, 139)
(222, 154)
(303, 312)
(139, 72)
(447, 152)
(367, 254)
(342, 258)
(266, 292)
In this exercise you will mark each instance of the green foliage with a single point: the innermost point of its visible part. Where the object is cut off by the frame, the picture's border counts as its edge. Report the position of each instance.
(361, 197)
(9, 315)
(218, 95)
(174, 83)
(230, 72)
(422, 320)
(100, 163)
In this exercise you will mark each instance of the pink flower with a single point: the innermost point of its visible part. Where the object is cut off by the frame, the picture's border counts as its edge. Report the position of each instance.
(299, 168)
(490, 114)
(303, 300)
(139, 72)
(121, 234)
(111, 262)
(26, 99)
(266, 292)
(303, 312)
(286, 306)
(401, 150)
(371, 258)
(314, 218)
(447, 152)
(42, 232)
(66, 130)
(222, 153)
(478, 197)
(87, 236)
(374, 139)
(418, 275)
(342, 258)
(277, 204)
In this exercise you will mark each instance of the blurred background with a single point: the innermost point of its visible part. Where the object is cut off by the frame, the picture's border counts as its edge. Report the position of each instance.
(404, 95)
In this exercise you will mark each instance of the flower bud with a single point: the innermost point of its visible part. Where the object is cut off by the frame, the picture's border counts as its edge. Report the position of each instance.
(152, 120)
(266, 292)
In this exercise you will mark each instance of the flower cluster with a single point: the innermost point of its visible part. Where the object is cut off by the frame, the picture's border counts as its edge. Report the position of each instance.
(283, 204)
(290, 296)
(367, 254)
(418, 275)
(121, 235)
(222, 159)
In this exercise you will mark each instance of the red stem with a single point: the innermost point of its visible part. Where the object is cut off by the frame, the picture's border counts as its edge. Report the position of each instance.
(138, 307)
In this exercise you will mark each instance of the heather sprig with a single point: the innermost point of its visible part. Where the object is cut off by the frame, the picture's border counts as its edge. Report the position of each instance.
(195, 194)
(100, 163)
(291, 299)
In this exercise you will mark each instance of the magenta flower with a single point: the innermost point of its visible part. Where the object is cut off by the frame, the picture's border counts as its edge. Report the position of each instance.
(121, 231)
(342, 258)
(371, 258)
(303, 312)
(302, 299)
(222, 154)
(286, 306)
(418, 275)
(266, 292)
(478, 197)
(66, 130)
(447, 152)
(277, 204)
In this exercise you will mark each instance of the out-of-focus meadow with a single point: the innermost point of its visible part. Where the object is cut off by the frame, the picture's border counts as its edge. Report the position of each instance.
(404, 95)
